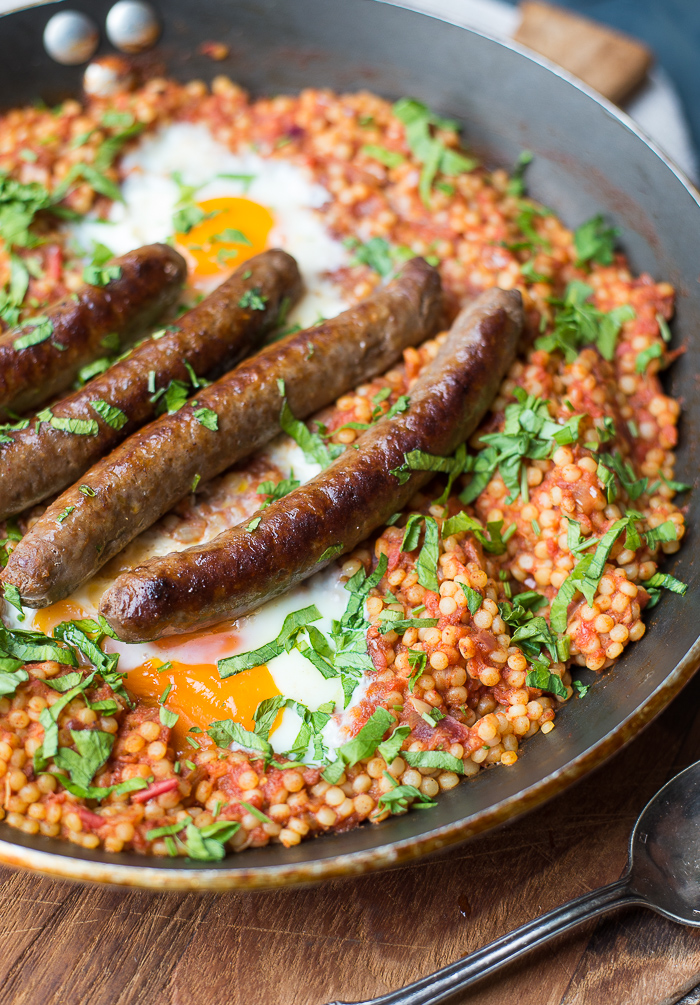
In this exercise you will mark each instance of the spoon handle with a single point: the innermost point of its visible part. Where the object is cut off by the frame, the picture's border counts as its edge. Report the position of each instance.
(463, 973)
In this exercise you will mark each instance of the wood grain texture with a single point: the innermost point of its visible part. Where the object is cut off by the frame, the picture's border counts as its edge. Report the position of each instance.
(352, 940)
(612, 63)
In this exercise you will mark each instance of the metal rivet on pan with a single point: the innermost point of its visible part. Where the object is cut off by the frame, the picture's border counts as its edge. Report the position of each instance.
(71, 37)
(107, 75)
(132, 26)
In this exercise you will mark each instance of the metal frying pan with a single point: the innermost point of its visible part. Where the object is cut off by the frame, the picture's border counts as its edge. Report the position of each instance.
(589, 158)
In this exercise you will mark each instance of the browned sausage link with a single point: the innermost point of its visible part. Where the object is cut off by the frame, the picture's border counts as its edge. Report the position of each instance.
(151, 471)
(210, 338)
(338, 509)
(150, 280)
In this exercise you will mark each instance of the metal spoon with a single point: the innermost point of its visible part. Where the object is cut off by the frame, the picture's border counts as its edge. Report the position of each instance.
(663, 873)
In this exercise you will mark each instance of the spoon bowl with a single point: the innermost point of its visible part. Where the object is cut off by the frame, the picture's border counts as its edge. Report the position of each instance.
(664, 859)
(663, 873)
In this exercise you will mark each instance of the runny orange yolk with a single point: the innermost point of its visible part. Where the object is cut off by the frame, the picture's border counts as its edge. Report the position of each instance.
(198, 694)
(47, 618)
(200, 697)
(233, 230)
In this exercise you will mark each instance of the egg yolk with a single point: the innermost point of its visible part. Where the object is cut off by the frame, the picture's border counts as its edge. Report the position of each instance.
(200, 697)
(47, 618)
(233, 230)
(198, 694)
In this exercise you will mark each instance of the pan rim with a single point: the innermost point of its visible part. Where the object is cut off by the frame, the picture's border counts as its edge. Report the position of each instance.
(147, 873)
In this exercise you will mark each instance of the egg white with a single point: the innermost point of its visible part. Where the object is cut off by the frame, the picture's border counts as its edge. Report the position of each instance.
(293, 675)
(189, 150)
(150, 196)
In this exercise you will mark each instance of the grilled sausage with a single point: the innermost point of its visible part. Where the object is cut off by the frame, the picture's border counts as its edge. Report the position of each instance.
(151, 471)
(73, 331)
(334, 512)
(42, 459)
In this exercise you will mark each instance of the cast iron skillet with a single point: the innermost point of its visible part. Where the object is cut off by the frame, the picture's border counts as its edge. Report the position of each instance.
(589, 158)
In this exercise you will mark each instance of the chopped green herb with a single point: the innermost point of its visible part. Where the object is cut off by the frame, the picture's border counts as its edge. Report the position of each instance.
(474, 598)
(206, 844)
(594, 242)
(434, 759)
(93, 749)
(664, 330)
(172, 398)
(65, 514)
(397, 799)
(258, 814)
(96, 275)
(235, 236)
(207, 417)
(491, 540)
(278, 490)
(645, 357)
(39, 329)
(516, 185)
(391, 621)
(389, 158)
(80, 427)
(94, 369)
(253, 299)
(546, 681)
(578, 323)
(168, 718)
(417, 661)
(663, 580)
(292, 625)
(389, 749)
(428, 149)
(433, 717)
(378, 254)
(110, 414)
(331, 552)
(11, 594)
(315, 450)
(362, 745)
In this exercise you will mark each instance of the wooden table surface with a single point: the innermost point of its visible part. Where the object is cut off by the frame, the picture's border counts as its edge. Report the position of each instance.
(65, 944)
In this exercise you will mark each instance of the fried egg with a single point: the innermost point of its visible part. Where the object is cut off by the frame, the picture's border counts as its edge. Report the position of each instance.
(219, 209)
(185, 666)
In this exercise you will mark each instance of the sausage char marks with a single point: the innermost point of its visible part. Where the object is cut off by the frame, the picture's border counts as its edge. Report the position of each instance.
(240, 569)
(148, 283)
(155, 468)
(42, 460)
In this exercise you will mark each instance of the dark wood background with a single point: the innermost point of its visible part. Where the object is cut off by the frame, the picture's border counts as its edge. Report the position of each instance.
(65, 944)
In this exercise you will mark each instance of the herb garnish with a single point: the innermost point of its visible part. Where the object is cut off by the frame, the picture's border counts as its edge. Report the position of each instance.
(426, 563)
(396, 800)
(363, 745)
(312, 444)
(110, 414)
(578, 323)
(253, 299)
(595, 242)
(389, 158)
(427, 148)
(378, 254)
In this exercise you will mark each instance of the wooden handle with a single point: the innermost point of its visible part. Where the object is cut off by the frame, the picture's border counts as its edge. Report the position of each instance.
(612, 63)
